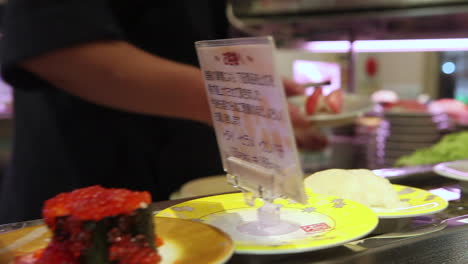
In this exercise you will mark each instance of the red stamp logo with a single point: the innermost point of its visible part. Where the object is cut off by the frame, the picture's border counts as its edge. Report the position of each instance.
(231, 58)
(315, 228)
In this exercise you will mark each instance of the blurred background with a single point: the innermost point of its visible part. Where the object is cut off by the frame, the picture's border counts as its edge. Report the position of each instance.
(404, 55)
(6, 115)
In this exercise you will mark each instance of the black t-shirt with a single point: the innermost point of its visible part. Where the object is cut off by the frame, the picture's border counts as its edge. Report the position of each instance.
(62, 142)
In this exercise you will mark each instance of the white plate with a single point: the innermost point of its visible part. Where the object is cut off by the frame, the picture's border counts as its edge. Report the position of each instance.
(414, 121)
(414, 138)
(353, 107)
(414, 130)
(407, 145)
(398, 112)
(457, 170)
(396, 153)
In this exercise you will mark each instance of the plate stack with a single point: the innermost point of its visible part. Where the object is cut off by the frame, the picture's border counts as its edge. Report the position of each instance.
(403, 132)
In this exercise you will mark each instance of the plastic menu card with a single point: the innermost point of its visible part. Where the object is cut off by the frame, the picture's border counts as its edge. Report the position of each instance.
(250, 116)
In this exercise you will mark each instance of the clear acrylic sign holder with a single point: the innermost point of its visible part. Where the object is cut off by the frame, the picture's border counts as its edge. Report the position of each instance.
(253, 129)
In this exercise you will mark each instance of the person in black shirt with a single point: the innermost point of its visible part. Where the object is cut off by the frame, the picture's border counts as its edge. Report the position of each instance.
(106, 92)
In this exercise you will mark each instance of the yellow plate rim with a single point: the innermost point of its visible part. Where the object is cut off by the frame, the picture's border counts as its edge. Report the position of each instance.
(28, 239)
(363, 223)
(443, 204)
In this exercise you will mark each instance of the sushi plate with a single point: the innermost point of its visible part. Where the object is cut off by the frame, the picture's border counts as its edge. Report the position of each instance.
(323, 222)
(353, 107)
(417, 202)
(183, 242)
(457, 170)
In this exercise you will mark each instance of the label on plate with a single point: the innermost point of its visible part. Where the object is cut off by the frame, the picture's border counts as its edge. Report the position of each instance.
(250, 116)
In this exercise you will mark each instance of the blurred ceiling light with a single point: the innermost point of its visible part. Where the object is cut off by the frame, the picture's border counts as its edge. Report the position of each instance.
(448, 67)
(328, 46)
(396, 45)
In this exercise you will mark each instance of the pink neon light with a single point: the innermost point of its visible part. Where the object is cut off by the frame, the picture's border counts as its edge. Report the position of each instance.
(397, 45)
(329, 46)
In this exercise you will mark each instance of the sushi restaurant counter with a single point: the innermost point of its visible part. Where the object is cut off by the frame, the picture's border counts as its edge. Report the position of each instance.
(438, 238)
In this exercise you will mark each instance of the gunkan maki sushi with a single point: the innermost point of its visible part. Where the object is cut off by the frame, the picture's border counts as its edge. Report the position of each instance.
(96, 225)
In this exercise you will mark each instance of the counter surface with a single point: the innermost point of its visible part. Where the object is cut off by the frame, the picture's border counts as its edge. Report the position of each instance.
(439, 238)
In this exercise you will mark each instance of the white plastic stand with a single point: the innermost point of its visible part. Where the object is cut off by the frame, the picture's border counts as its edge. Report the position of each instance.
(257, 180)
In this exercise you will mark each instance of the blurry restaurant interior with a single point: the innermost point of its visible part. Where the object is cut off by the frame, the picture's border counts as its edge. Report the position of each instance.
(415, 48)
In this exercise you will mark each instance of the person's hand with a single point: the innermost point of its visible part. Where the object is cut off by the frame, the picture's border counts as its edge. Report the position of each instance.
(292, 88)
(310, 139)
(307, 137)
(298, 118)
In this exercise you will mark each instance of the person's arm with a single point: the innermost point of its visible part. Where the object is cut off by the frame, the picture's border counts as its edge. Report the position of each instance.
(119, 75)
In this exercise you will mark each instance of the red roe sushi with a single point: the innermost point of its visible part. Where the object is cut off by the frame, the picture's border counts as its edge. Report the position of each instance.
(96, 225)
(94, 203)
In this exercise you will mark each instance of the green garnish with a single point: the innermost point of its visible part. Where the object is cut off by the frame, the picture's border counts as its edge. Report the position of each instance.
(451, 147)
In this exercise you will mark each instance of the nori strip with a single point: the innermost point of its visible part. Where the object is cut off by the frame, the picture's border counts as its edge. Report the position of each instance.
(144, 225)
(98, 250)
(139, 223)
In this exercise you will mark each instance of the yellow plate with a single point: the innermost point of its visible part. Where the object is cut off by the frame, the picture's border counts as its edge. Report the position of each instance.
(184, 242)
(420, 202)
(325, 222)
